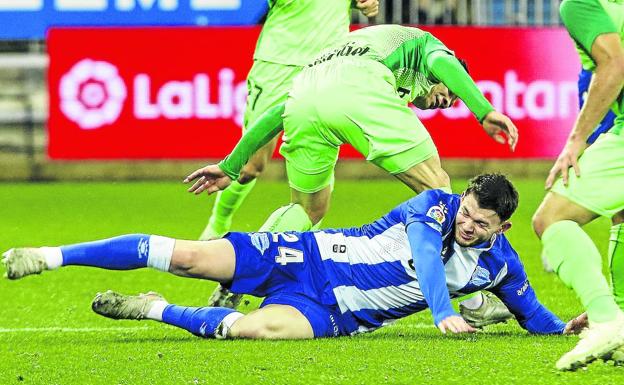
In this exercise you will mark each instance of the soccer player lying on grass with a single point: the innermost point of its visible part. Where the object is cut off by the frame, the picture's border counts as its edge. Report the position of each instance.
(333, 282)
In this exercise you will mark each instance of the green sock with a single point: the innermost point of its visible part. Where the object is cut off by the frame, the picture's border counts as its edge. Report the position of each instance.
(616, 263)
(225, 206)
(577, 261)
(288, 218)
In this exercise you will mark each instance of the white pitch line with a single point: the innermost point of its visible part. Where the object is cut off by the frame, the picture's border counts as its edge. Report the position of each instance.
(417, 326)
(71, 330)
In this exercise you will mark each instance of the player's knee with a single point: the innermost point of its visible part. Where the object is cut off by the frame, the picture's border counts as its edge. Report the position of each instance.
(618, 218)
(185, 260)
(441, 180)
(259, 330)
(539, 224)
(316, 213)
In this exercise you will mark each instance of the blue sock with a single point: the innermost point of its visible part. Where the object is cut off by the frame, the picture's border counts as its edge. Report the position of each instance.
(201, 321)
(120, 253)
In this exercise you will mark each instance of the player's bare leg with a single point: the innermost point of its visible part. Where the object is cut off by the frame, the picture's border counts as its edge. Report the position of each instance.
(214, 260)
(578, 263)
(426, 175)
(315, 204)
(270, 322)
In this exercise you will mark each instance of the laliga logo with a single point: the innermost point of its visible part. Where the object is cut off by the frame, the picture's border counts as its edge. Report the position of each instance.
(92, 94)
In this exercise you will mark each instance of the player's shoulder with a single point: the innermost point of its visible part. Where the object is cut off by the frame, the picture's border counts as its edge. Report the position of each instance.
(571, 10)
(433, 199)
(430, 206)
(503, 249)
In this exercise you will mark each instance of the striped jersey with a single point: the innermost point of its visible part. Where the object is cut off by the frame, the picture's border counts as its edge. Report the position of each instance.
(370, 269)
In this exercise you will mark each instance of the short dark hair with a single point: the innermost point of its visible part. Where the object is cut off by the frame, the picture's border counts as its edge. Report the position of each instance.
(494, 192)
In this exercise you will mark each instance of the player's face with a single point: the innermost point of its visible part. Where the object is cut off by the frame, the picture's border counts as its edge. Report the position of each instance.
(438, 97)
(474, 225)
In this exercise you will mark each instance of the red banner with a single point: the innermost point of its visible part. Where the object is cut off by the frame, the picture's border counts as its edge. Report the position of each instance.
(179, 93)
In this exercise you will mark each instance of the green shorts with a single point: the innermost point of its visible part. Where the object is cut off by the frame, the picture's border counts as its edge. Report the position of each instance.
(348, 100)
(267, 85)
(600, 188)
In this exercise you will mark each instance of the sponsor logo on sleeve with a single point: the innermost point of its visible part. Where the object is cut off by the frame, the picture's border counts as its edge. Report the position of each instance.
(523, 289)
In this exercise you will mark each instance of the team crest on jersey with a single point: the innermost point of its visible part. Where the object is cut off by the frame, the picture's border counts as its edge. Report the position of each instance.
(438, 213)
(260, 241)
(480, 277)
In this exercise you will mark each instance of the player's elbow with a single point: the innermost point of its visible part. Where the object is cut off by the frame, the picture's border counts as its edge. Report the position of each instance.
(613, 67)
(618, 67)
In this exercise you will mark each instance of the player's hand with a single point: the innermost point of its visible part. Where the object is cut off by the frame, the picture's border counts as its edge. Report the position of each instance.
(500, 128)
(369, 8)
(455, 324)
(210, 179)
(576, 325)
(568, 158)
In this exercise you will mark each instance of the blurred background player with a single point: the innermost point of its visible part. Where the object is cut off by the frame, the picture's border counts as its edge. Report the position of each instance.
(591, 184)
(294, 32)
(302, 275)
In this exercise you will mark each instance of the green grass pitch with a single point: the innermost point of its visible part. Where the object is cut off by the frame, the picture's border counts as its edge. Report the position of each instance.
(49, 335)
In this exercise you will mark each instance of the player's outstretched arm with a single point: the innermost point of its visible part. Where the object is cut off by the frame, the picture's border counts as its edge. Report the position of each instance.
(213, 178)
(516, 293)
(449, 71)
(209, 179)
(592, 29)
(426, 244)
(603, 91)
(500, 128)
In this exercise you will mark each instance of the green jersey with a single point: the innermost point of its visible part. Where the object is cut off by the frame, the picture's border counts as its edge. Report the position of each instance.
(585, 21)
(295, 31)
(417, 59)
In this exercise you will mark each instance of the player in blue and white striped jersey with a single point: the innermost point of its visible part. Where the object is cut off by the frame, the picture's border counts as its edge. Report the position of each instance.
(333, 282)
